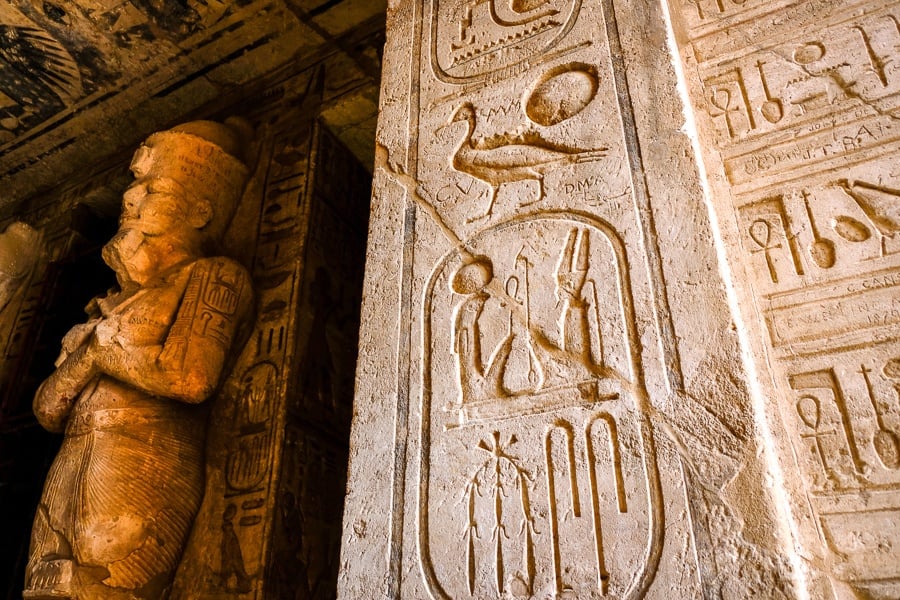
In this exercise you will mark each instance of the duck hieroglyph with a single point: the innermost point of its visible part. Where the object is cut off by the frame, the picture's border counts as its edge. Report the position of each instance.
(880, 204)
(509, 158)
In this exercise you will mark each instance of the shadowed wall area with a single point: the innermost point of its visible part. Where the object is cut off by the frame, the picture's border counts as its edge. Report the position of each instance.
(276, 452)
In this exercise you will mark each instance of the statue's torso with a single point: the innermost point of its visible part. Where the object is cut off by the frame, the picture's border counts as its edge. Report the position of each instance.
(138, 320)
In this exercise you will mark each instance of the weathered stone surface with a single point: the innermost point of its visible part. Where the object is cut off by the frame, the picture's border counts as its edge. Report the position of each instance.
(277, 447)
(798, 132)
(551, 397)
(122, 493)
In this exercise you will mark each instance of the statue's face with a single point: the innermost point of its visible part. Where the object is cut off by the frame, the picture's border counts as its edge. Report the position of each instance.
(165, 212)
(155, 225)
(155, 206)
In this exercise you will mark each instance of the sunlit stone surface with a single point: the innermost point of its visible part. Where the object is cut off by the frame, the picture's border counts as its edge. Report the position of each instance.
(618, 371)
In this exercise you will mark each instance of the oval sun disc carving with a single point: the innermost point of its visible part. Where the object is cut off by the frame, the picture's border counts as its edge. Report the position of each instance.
(562, 93)
(808, 53)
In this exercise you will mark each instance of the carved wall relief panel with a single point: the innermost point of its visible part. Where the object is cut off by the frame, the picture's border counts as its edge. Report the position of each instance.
(509, 436)
(541, 445)
(231, 537)
(475, 38)
(800, 139)
(277, 448)
(534, 439)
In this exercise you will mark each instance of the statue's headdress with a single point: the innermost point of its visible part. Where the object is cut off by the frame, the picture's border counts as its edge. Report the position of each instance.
(206, 159)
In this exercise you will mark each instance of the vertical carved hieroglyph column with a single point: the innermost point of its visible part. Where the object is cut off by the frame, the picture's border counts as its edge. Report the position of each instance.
(799, 131)
(551, 400)
(276, 450)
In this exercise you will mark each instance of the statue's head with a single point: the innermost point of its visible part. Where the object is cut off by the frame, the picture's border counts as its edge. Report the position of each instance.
(19, 250)
(188, 182)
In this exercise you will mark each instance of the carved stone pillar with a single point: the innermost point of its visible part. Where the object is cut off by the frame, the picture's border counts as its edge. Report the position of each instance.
(799, 135)
(277, 452)
(551, 399)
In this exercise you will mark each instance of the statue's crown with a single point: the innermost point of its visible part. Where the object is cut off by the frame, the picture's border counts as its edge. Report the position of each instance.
(208, 160)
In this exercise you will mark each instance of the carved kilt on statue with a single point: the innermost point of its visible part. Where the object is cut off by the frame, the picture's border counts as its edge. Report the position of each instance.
(121, 496)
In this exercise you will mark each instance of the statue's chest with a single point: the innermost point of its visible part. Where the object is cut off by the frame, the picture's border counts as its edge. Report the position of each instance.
(144, 319)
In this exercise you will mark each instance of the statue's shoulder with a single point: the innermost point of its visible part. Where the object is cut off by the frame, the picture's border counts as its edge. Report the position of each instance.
(220, 284)
(221, 266)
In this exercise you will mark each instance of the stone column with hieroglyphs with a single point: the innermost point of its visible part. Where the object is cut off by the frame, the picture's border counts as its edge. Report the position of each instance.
(551, 401)
(799, 134)
(276, 452)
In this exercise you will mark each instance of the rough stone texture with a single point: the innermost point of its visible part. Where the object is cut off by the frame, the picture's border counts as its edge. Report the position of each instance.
(798, 132)
(277, 450)
(551, 400)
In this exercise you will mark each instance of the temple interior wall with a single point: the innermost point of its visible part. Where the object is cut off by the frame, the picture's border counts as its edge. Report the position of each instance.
(805, 175)
(279, 425)
(738, 159)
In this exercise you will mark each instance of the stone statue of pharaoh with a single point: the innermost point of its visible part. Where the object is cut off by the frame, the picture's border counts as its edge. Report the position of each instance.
(20, 249)
(123, 491)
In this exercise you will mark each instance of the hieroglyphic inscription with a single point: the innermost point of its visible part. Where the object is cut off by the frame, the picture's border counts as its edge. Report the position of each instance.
(248, 461)
(522, 331)
(250, 413)
(700, 13)
(512, 157)
(846, 418)
(803, 124)
(472, 38)
(522, 239)
(835, 90)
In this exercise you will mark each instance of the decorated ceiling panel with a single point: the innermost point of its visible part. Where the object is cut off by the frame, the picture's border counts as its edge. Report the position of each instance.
(84, 79)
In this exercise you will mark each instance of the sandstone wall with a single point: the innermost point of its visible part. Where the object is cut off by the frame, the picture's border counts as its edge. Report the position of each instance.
(796, 116)
(552, 394)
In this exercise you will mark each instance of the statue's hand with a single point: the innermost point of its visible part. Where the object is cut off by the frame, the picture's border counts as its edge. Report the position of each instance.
(106, 331)
(75, 338)
(56, 396)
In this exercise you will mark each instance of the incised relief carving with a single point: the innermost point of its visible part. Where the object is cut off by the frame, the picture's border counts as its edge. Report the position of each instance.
(547, 410)
(799, 132)
(535, 349)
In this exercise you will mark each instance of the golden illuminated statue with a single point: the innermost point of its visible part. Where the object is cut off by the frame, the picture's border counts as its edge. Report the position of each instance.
(122, 493)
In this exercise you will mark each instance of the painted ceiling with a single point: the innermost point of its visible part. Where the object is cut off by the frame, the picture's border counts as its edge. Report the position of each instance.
(81, 80)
